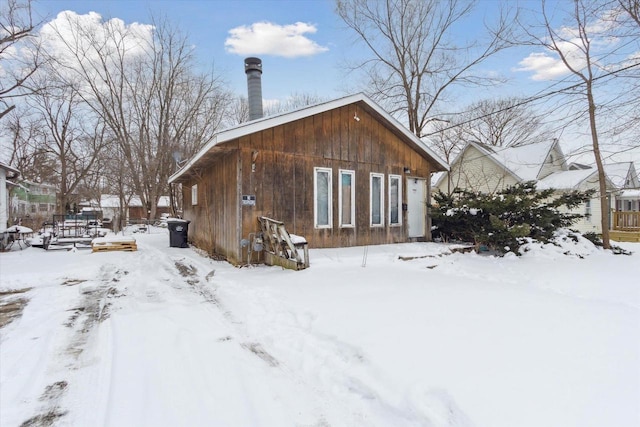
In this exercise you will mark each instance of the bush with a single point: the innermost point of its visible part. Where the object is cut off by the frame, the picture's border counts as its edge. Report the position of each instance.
(503, 221)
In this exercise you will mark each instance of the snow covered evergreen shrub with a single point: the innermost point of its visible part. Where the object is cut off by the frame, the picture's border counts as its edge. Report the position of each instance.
(504, 220)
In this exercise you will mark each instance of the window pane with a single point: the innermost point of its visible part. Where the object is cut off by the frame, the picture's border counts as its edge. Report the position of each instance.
(347, 189)
(194, 194)
(394, 200)
(376, 202)
(323, 198)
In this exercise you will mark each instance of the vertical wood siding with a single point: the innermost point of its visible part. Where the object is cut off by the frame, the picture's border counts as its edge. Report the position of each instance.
(282, 178)
(276, 166)
(214, 220)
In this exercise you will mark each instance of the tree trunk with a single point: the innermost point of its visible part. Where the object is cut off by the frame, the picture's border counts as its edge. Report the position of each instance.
(602, 180)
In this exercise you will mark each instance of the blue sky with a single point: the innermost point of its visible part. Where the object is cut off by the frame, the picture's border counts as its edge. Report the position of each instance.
(310, 60)
(208, 24)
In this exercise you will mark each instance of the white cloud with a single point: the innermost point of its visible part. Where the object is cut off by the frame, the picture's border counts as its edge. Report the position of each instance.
(89, 43)
(70, 35)
(603, 43)
(548, 67)
(266, 38)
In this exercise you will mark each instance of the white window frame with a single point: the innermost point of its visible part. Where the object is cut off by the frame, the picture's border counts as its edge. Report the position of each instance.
(329, 172)
(352, 174)
(372, 176)
(194, 194)
(399, 179)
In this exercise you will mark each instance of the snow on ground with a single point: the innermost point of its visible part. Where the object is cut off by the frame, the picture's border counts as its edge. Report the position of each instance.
(165, 336)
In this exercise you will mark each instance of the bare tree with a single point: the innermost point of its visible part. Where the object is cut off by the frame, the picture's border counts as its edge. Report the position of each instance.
(446, 138)
(573, 45)
(414, 62)
(238, 111)
(293, 102)
(503, 122)
(632, 8)
(16, 26)
(143, 87)
(500, 122)
(68, 135)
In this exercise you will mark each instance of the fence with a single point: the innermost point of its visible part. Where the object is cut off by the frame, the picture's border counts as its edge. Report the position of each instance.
(626, 221)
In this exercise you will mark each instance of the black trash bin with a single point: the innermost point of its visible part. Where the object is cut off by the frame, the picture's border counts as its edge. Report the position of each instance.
(178, 229)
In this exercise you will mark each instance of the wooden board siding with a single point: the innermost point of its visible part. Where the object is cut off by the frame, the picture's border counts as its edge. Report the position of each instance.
(282, 176)
(214, 220)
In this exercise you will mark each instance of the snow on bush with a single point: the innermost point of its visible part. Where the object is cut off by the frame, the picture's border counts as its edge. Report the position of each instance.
(564, 242)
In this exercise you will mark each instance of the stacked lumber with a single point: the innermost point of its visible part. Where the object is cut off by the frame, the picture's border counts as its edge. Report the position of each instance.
(117, 243)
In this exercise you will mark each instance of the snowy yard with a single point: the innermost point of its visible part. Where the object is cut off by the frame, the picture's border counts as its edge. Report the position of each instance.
(167, 337)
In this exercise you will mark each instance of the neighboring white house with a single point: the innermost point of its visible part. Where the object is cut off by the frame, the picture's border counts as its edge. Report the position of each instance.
(489, 169)
(625, 178)
(581, 180)
(7, 175)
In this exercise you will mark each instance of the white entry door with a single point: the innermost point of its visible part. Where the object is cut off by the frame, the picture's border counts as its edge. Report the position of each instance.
(416, 206)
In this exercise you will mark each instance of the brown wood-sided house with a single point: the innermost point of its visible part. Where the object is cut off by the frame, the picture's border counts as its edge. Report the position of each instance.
(341, 173)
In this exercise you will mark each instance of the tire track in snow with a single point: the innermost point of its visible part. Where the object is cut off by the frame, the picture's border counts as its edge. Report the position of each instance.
(92, 308)
(338, 375)
(209, 294)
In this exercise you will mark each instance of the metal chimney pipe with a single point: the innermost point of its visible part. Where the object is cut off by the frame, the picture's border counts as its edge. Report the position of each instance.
(253, 69)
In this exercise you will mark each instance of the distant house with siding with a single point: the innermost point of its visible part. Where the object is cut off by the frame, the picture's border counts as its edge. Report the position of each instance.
(340, 173)
(479, 167)
(34, 200)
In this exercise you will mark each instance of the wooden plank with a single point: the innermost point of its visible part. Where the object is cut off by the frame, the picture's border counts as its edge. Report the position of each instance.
(345, 129)
(335, 142)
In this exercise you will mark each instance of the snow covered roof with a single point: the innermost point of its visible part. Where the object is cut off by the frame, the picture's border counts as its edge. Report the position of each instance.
(113, 201)
(273, 121)
(436, 177)
(618, 173)
(39, 184)
(629, 194)
(164, 202)
(565, 180)
(524, 161)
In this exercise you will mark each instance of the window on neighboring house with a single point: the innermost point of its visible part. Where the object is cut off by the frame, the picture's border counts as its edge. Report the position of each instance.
(33, 208)
(43, 207)
(194, 194)
(587, 210)
(395, 197)
(376, 201)
(629, 208)
(347, 198)
(322, 214)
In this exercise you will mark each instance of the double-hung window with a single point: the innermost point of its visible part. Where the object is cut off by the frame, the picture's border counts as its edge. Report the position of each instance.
(395, 197)
(347, 198)
(194, 194)
(322, 197)
(376, 200)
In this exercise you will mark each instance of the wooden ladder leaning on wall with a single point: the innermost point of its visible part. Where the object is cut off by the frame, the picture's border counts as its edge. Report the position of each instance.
(281, 248)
